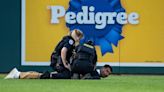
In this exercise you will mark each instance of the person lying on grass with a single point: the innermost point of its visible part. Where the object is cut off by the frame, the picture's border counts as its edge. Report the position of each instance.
(103, 72)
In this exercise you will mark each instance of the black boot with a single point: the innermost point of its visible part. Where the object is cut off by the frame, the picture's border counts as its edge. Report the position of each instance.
(45, 75)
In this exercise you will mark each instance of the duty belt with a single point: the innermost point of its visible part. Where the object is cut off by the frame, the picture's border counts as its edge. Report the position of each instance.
(83, 56)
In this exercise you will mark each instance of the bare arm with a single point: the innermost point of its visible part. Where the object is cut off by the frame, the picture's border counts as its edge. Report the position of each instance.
(63, 57)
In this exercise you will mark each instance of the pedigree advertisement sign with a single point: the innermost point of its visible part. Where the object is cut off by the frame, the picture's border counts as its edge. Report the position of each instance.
(124, 32)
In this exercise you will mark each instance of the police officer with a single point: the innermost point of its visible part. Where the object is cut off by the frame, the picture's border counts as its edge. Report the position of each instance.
(85, 59)
(60, 58)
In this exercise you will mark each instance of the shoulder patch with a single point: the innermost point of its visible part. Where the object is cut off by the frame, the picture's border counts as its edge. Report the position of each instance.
(71, 42)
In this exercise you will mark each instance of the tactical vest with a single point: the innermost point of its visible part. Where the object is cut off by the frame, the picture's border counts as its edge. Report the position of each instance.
(85, 52)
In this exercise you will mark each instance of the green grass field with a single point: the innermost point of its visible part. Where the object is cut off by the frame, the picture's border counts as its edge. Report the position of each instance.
(114, 83)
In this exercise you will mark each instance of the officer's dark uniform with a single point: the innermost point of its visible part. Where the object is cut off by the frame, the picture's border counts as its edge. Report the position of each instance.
(67, 42)
(85, 59)
(56, 61)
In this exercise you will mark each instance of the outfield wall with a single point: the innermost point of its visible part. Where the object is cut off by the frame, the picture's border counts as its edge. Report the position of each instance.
(11, 44)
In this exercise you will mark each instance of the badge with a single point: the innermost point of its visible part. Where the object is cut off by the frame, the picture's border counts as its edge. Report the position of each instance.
(71, 42)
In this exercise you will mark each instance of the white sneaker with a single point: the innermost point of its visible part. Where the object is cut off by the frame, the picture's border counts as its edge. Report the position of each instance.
(14, 74)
